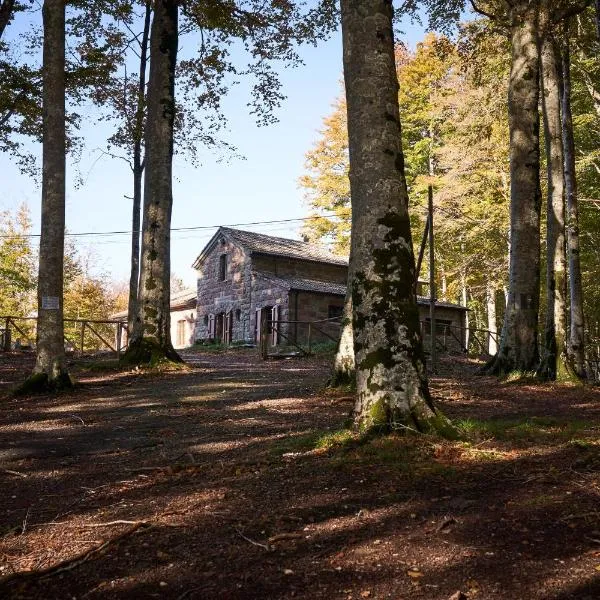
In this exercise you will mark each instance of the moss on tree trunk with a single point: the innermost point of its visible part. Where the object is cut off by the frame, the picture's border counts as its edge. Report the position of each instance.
(151, 337)
(518, 345)
(392, 391)
(50, 372)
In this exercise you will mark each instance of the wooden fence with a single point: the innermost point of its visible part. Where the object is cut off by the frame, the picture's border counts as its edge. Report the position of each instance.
(297, 336)
(81, 335)
(301, 337)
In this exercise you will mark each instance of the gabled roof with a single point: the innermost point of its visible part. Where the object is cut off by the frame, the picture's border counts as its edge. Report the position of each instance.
(259, 243)
(184, 299)
(179, 300)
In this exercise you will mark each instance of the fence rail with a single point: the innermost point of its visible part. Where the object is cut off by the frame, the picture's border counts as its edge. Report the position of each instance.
(299, 335)
(80, 335)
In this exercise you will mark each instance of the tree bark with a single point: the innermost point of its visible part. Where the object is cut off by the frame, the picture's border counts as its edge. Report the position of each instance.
(344, 364)
(6, 12)
(50, 370)
(151, 340)
(392, 390)
(138, 172)
(464, 297)
(577, 336)
(554, 362)
(490, 297)
(518, 347)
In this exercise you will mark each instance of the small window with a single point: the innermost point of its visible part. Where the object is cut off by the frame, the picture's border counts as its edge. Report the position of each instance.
(222, 267)
(334, 311)
(206, 319)
(238, 314)
(440, 325)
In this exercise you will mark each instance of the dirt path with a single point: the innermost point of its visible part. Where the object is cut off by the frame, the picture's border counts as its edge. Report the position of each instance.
(235, 480)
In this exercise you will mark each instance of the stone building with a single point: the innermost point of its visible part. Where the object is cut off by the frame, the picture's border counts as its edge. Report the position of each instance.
(249, 280)
(245, 279)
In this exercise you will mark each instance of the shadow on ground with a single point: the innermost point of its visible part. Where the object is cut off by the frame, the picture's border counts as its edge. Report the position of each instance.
(228, 481)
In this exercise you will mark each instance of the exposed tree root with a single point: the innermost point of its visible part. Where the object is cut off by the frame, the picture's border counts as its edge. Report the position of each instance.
(341, 377)
(147, 352)
(40, 383)
(421, 418)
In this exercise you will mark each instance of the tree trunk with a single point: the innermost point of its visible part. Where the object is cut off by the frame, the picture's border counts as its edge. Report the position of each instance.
(464, 297)
(344, 365)
(490, 298)
(554, 362)
(518, 347)
(50, 370)
(392, 390)
(151, 340)
(138, 172)
(6, 12)
(576, 337)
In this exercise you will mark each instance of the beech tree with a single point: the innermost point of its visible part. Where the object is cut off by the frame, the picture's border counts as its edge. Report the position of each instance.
(518, 345)
(554, 361)
(268, 32)
(50, 370)
(151, 335)
(392, 390)
(6, 13)
(576, 346)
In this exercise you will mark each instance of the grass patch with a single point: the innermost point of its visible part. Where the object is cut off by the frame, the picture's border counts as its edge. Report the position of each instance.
(100, 365)
(534, 429)
(301, 443)
(521, 377)
(324, 348)
(336, 439)
(582, 444)
(316, 440)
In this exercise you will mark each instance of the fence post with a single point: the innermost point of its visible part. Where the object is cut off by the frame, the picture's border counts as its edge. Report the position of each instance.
(7, 334)
(310, 338)
(119, 334)
(82, 337)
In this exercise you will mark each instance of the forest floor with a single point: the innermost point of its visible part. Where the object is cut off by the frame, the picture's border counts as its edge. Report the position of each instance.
(235, 478)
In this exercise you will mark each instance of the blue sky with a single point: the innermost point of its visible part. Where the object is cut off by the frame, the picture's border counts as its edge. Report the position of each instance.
(262, 187)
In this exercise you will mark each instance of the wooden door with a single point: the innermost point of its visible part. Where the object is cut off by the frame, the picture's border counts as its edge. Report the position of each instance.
(181, 341)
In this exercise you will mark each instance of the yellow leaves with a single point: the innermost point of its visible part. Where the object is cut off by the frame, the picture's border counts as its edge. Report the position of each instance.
(473, 587)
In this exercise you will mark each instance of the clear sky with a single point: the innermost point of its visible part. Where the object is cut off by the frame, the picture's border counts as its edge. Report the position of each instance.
(262, 187)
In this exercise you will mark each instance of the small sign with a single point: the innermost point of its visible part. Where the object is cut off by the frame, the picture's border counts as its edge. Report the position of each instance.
(50, 302)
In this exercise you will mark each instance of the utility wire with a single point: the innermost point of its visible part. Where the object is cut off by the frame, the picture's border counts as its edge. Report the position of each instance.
(196, 228)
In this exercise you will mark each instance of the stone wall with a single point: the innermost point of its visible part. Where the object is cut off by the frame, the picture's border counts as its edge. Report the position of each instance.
(287, 267)
(232, 295)
(309, 306)
(244, 292)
